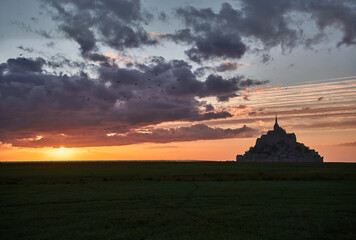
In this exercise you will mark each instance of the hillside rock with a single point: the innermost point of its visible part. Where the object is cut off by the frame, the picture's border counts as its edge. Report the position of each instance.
(279, 146)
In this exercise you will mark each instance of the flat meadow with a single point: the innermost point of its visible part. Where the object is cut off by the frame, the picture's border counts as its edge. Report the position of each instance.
(177, 200)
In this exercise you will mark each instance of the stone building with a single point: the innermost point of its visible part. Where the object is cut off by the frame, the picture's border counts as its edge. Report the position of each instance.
(279, 146)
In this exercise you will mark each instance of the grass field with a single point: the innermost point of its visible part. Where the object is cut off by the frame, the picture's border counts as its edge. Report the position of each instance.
(177, 200)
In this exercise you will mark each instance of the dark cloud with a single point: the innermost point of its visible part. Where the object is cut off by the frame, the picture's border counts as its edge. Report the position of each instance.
(34, 101)
(24, 65)
(218, 85)
(341, 14)
(201, 71)
(129, 64)
(251, 82)
(177, 79)
(60, 62)
(26, 49)
(213, 115)
(117, 24)
(225, 34)
(96, 57)
(158, 135)
(225, 89)
(216, 44)
(227, 66)
(209, 107)
(226, 98)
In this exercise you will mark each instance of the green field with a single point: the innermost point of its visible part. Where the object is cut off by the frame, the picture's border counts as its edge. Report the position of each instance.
(177, 200)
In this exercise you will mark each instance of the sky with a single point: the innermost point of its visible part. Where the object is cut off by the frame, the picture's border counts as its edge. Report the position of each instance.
(174, 80)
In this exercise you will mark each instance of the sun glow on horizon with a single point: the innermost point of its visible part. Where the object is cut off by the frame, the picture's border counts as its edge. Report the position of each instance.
(62, 153)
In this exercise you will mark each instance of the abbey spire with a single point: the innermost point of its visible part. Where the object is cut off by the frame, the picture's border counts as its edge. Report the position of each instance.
(276, 126)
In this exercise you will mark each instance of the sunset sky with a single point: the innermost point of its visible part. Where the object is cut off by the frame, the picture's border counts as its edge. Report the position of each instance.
(174, 80)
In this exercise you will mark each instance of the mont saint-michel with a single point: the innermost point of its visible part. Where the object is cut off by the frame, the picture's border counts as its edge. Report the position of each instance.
(279, 146)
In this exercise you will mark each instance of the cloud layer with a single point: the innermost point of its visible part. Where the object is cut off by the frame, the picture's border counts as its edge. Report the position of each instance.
(117, 24)
(268, 23)
(256, 26)
(40, 105)
(86, 139)
(36, 102)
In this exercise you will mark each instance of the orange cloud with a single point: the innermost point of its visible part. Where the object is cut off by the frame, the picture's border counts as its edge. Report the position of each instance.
(118, 57)
(114, 56)
(158, 35)
(31, 139)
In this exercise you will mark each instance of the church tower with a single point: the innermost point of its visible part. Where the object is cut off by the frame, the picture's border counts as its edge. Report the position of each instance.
(276, 126)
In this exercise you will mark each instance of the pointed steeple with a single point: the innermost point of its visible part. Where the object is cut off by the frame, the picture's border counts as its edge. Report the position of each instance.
(276, 126)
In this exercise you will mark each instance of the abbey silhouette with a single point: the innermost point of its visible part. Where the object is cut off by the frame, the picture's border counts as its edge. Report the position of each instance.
(279, 146)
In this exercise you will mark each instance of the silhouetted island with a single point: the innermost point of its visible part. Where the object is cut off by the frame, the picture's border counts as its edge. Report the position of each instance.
(279, 146)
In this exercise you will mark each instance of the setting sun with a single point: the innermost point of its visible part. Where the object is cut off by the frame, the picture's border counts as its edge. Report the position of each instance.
(61, 153)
